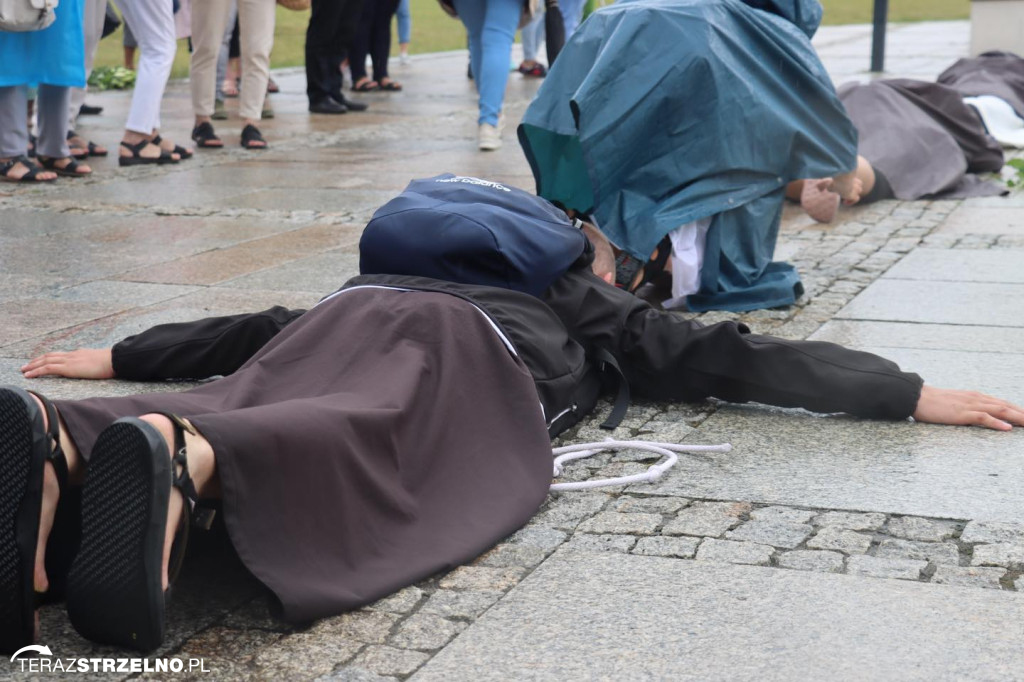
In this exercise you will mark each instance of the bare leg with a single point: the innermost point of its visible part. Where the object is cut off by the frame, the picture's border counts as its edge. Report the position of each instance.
(51, 496)
(202, 467)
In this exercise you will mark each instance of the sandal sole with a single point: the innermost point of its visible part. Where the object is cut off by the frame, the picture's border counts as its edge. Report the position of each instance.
(142, 161)
(23, 450)
(115, 594)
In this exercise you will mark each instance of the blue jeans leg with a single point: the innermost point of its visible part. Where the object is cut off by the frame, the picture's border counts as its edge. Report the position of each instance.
(491, 25)
(404, 22)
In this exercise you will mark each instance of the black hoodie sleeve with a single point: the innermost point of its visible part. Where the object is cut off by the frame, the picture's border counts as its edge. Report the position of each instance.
(667, 357)
(195, 350)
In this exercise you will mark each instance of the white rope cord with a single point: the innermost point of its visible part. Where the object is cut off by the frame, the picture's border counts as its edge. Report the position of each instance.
(569, 453)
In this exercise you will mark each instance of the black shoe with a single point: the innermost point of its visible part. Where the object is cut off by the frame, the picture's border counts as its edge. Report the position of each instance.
(351, 105)
(87, 110)
(328, 106)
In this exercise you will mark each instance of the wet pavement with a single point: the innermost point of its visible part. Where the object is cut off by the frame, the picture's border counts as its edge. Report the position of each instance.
(820, 547)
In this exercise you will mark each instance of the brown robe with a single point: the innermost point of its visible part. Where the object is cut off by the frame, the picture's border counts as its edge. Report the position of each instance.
(382, 437)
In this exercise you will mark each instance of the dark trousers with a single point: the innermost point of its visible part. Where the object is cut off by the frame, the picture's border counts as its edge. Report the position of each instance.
(373, 38)
(328, 38)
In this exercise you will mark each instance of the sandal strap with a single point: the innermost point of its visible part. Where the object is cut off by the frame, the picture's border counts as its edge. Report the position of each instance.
(251, 133)
(202, 515)
(33, 169)
(50, 163)
(56, 455)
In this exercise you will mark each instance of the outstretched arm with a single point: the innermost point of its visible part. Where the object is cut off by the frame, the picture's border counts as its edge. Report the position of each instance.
(667, 357)
(187, 350)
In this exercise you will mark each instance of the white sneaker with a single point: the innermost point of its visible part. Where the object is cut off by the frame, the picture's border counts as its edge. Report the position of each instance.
(490, 137)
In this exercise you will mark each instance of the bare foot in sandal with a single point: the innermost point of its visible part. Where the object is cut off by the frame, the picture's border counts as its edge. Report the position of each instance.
(66, 166)
(21, 169)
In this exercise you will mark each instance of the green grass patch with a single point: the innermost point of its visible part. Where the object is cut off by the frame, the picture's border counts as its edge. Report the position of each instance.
(435, 31)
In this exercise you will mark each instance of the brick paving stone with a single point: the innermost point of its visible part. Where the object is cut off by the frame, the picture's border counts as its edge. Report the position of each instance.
(840, 539)
(601, 543)
(1008, 555)
(666, 431)
(256, 614)
(506, 555)
(684, 547)
(541, 537)
(918, 528)
(875, 567)
(937, 552)
(728, 551)
(353, 674)
(566, 511)
(785, 535)
(782, 514)
(370, 627)
(467, 605)
(812, 560)
(481, 578)
(425, 632)
(305, 655)
(706, 518)
(850, 520)
(992, 532)
(402, 601)
(386, 660)
(649, 505)
(969, 576)
(618, 523)
(617, 469)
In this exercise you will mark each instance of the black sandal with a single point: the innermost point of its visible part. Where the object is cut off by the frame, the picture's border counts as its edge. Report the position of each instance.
(29, 177)
(70, 170)
(137, 158)
(251, 134)
(25, 447)
(91, 148)
(204, 136)
(178, 149)
(115, 594)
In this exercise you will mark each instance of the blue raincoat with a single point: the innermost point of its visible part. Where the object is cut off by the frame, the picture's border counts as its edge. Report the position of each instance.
(661, 112)
(54, 56)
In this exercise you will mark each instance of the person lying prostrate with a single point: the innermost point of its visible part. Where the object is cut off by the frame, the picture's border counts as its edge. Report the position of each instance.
(390, 432)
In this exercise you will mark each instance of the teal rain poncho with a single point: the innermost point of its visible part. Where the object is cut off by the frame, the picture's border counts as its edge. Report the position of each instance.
(661, 112)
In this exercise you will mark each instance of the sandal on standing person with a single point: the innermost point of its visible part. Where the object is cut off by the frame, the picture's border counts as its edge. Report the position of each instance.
(138, 149)
(21, 169)
(82, 148)
(67, 166)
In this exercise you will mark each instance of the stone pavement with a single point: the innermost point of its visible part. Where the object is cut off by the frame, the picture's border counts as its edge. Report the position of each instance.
(820, 547)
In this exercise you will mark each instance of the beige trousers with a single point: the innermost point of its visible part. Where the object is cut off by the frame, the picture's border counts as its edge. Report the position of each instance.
(256, 26)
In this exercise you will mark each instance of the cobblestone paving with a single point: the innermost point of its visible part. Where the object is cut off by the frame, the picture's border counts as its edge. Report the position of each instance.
(220, 614)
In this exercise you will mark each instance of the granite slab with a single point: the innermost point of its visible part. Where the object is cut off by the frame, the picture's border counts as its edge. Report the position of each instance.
(960, 265)
(619, 617)
(991, 215)
(974, 303)
(885, 335)
(320, 274)
(794, 458)
(998, 374)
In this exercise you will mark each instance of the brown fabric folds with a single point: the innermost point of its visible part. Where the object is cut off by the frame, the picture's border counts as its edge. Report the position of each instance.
(382, 437)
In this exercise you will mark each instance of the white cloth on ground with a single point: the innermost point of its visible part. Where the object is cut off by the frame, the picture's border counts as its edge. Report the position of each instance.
(687, 259)
(1001, 121)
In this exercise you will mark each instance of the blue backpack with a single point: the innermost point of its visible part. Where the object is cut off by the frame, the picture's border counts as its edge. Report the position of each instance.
(471, 231)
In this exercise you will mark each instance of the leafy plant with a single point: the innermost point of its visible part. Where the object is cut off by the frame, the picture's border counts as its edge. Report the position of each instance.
(1016, 178)
(111, 78)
